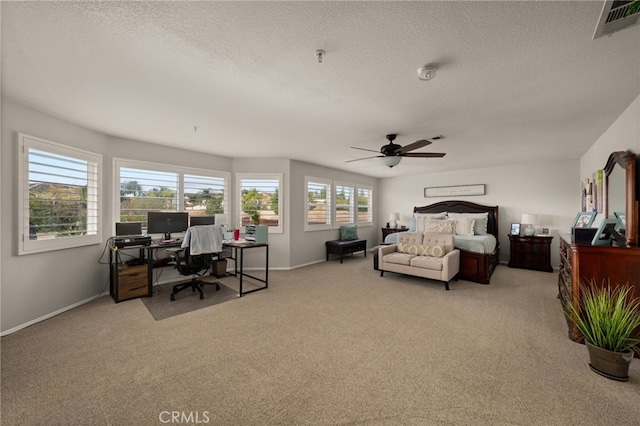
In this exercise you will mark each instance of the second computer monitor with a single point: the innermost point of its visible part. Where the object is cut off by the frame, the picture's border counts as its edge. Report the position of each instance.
(202, 220)
(167, 222)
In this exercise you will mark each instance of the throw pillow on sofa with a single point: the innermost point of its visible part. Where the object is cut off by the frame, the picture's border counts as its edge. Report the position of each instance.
(420, 250)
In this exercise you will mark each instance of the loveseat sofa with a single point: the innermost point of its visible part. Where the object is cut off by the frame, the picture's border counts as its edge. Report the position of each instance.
(430, 256)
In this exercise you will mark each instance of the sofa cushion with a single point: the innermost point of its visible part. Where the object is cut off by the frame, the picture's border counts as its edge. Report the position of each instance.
(410, 238)
(427, 262)
(439, 226)
(399, 258)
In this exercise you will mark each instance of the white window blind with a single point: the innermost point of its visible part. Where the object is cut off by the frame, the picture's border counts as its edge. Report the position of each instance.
(318, 212)
(344, 202)
(259, 200)
(364, 202)
(145, 190)
(59, 202)
(146, 187)
(205, 195)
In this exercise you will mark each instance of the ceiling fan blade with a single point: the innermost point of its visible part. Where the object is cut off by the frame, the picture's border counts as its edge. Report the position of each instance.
(424, 154)
(365, 158)
(412, 146)
(364, 149)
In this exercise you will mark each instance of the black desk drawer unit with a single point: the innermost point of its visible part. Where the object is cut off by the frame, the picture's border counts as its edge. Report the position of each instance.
(342, 248)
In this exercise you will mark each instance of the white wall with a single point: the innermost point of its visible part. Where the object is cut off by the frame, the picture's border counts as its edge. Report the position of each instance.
(40, 285)
(37, 286)
(549, 189)
(308, 246)
(622, 135)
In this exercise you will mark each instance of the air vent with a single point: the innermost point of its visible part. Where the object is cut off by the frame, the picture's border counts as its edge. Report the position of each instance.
(613, 18)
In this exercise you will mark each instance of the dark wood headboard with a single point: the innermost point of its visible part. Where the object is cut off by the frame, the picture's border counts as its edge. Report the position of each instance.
(457, 206)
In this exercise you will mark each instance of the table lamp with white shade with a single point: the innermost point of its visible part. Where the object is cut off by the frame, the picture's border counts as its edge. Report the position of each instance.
(529, 219)
(393, 218)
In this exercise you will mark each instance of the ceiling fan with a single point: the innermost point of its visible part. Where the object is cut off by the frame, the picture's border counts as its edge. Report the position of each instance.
(392, 153)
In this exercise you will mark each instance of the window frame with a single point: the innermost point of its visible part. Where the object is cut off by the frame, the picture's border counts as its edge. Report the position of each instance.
(279, 229)
(94, 195)
(352, 208)
(368, 222)
(180, 171)
(328, 183)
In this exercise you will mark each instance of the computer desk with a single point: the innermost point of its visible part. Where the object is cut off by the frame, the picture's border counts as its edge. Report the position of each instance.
(237, 255)
(151, 249)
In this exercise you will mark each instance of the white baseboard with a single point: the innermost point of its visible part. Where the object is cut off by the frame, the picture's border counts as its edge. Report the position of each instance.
(52, 314)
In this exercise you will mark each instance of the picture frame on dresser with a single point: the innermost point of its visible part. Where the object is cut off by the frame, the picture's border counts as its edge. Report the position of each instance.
(515, 229)
(606, 233)
(622, 219)
(584, 220)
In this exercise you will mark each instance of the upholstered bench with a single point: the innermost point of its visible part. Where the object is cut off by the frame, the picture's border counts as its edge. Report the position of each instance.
(343, 247)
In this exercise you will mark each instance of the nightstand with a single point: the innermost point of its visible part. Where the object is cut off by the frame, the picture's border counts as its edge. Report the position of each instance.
(530, 253)
(387, 231)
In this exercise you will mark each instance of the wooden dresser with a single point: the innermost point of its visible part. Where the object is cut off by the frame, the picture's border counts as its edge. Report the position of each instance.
(583, 263)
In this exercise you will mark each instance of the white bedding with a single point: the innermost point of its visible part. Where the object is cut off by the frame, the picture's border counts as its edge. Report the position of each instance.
(473, 243)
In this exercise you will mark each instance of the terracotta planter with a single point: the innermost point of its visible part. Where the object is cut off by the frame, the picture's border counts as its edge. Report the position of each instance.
(612, 365)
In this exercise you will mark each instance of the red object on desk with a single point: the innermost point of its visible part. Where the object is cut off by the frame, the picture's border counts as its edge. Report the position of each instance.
(236, 234)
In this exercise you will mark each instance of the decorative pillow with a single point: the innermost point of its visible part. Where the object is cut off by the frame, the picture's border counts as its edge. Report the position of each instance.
(464, 226)
(419, 250)
(482, 219)
(480, 227)
(439, 226)
(422, 218)
(348, 232)
(412, 224)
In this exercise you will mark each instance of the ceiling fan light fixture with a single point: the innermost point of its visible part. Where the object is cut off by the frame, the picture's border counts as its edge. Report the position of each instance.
(427, 72)
(391, 161)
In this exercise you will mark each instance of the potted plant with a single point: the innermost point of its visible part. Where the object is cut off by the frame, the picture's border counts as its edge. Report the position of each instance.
(609, 318)
(255, 217)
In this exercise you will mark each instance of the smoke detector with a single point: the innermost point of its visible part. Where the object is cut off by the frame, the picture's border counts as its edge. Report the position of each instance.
(427, 72)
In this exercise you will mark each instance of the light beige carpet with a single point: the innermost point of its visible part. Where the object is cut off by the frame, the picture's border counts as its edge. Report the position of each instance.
(328, 344)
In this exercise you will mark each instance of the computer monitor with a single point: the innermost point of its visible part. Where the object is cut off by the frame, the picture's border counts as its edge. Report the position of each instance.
(167, 222)
(202, 220)
(128, 228)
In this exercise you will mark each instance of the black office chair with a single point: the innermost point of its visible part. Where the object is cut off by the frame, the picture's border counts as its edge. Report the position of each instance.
(197, 265)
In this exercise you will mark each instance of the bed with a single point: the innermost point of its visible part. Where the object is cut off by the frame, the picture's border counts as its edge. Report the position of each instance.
(477, 258)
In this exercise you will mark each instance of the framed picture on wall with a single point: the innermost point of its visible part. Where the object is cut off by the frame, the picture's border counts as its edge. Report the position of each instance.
(584, 220)
(515, 229)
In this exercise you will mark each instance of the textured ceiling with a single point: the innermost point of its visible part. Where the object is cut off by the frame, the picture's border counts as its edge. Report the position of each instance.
(516, 81)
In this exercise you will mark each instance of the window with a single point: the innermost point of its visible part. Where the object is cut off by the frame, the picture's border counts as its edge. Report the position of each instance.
(59, 196)
(259, 200)
(344, 202)
(318, 211)
(364, 202)
(332, 204)
(148, 187)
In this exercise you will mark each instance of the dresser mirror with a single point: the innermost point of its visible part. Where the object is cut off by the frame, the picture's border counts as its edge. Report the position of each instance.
(620, 179)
